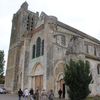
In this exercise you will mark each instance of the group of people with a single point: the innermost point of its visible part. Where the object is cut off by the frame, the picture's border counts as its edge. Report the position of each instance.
(35, 95)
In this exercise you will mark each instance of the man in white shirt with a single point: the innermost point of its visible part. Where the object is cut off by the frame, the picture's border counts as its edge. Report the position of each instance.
(26, 94)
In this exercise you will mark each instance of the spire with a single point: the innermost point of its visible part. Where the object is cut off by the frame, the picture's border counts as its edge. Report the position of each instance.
(24, 5)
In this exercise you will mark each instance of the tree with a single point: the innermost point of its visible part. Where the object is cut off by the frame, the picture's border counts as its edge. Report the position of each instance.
(77, 78)
(2, 66)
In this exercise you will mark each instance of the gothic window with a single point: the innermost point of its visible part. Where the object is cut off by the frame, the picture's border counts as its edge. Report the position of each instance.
(63, 40)
(94, 50)
(98, 68)
(87, 50)
(58, 39)
(33, 51)
(28, 19)
(38, 48)
(42, 47)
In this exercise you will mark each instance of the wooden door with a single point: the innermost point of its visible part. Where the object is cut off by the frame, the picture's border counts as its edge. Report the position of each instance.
(39, 82)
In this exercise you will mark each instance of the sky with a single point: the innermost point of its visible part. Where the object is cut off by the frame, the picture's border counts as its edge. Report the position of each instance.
(83, 15)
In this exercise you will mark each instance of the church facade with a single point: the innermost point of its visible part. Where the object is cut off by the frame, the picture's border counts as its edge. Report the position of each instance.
(40, 46)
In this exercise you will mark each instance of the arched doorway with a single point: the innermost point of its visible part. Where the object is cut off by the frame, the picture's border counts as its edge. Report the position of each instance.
(61, 84)
(59, 76)
(38, 77)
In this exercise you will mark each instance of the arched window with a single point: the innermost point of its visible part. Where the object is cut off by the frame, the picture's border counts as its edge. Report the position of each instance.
(63, 40)
(94, 50)
(38, 46)
(33, 51)
(42, 47)
(98, 68)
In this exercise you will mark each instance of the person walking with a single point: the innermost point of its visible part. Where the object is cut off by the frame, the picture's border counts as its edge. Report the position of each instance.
(26, 94)
(51, 95)
(31, 94)
(60, 93)
(44, 95)
(37, 95)
(20, 93)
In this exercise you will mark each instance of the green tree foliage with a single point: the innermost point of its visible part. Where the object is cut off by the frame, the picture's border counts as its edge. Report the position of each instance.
(2, 66)
(77, 78)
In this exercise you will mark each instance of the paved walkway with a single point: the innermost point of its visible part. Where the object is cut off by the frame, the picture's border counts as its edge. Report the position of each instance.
(15, 97)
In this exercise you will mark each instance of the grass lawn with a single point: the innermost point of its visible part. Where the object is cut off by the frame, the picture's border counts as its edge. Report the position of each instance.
(93, 98)
(90, 98)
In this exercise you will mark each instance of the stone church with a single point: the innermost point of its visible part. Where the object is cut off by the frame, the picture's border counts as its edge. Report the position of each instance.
(40, 46)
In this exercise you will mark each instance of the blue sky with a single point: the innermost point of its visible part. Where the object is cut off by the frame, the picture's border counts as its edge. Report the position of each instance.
(83, 15)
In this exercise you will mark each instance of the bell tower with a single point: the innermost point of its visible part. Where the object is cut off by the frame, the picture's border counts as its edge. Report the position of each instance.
(22, 23)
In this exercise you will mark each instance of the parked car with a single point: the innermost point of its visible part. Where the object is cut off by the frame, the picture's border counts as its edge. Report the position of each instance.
(3, 91)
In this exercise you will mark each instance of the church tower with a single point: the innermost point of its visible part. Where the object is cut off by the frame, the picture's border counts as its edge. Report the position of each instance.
(23, 22)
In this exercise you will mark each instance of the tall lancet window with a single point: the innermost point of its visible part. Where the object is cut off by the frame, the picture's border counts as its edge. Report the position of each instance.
(98, 68)
(38, 48)
(42, 47)
(33, 51)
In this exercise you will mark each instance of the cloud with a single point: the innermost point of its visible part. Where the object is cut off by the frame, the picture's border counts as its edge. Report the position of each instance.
(81, 14)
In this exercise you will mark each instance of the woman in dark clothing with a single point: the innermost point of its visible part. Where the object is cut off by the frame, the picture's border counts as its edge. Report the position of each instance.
(20, 94)
(60, 93)
(31, 94)
(37, 95)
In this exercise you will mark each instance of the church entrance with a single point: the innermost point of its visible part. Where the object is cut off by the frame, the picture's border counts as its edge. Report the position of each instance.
(39, 82)
(59, 75)
(38, 77)
(61, 85)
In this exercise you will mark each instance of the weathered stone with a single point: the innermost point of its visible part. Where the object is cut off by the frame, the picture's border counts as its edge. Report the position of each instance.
(58, 43)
